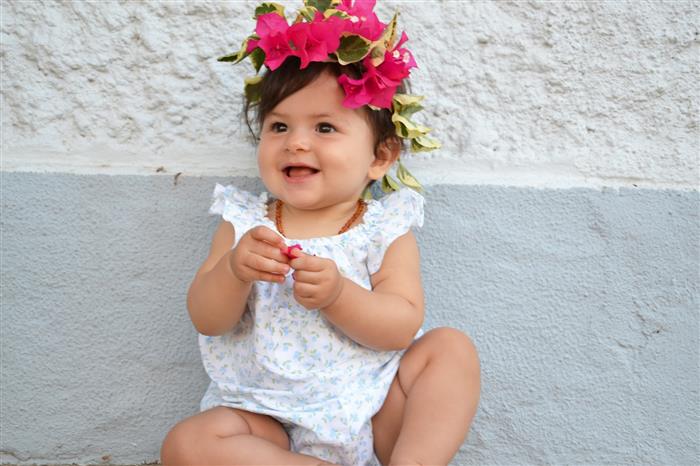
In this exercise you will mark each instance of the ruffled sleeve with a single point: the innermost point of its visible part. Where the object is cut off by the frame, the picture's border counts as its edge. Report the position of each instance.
(241, 208)
(388, 218)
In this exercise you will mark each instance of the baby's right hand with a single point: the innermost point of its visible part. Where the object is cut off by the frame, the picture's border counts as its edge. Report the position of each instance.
(258, 256)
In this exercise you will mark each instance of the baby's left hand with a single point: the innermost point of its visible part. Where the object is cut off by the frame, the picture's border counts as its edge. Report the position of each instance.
(317, 281)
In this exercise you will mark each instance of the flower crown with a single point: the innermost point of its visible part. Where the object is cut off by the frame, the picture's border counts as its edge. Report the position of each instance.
(342, 31)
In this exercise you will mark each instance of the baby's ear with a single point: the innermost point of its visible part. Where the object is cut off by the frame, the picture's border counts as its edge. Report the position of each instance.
(384, 157)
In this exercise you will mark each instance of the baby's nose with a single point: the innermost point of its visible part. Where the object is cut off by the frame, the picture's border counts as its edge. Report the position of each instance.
(298, 141)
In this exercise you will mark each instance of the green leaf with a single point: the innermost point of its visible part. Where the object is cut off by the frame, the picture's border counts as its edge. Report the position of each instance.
(407, 179)
(389, 33)
(252, 88)
(333, 12)
(269, 7)
(406, 105)
(241, 54)
(389, 184)
(352, 49)
(401, 130)
(406, 100)
(257, 58)
(424, 144)
(367, 193)
(320, 5)
(230, 57)
(308, 12)
(377, 53)
(408, 129)
(408, 112)
(380, 46)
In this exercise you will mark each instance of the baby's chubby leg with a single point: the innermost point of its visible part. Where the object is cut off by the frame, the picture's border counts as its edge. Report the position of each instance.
(431, 403)
(230, 436)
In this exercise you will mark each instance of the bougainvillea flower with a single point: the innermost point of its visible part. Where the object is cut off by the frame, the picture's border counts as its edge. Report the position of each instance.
(270, 24)
(327, 31)
(363, 21)
(272, 30)
(397, 62)
(355, 93)
(370, 89)
(288, 251)
(378, 85)
(315, 40)
(276, 50)
(251, 45)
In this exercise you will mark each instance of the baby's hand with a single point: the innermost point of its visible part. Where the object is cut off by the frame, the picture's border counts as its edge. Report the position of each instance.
(258, 256)
(317, 281)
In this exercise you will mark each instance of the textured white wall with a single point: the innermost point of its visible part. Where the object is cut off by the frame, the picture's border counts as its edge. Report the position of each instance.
(523, 93)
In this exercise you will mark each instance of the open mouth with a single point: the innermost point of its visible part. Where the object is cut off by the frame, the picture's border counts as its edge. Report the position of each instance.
(299, 171)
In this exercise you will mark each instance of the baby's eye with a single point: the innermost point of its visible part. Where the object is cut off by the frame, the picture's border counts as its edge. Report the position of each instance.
(325, 128)
(277, 127)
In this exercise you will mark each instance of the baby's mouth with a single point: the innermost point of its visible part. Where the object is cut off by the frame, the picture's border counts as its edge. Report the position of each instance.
(297, 172)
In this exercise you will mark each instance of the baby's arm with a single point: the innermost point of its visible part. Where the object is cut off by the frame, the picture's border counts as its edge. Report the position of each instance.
(386, 318)
(218, 294)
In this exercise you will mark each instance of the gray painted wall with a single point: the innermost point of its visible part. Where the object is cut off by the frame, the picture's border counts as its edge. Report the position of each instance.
(582, 302)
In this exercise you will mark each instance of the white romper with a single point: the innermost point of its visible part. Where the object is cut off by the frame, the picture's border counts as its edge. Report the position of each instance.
(289, 362)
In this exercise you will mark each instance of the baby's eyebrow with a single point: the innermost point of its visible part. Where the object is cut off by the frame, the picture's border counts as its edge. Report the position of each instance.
(315, 115)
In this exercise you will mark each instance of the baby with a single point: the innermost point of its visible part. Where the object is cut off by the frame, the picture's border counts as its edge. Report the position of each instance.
(310, 303)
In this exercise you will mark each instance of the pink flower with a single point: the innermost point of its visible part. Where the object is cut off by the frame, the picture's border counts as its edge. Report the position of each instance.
(252, 45)
(315, 40)
(356, 93)
(378, 85)
(363, 21)
(371, 89)
(289, 251)
(272, 30)
(271, 23)
(397, 62)
(310, 41)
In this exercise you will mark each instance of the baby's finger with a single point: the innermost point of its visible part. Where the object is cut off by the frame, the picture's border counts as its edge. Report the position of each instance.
(264, 249)
(303, 261)
(263, 264)
(262, 233)
(269, 277)
(304, 290)
(303, 276)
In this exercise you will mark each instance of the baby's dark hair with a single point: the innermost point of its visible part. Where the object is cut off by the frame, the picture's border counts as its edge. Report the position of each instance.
(284, 81)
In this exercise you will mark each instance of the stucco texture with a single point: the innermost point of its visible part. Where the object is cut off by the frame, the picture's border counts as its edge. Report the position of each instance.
(593, 93)
(582, 303)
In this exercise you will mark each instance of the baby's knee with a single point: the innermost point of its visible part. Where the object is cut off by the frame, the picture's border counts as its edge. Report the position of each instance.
(177, 445)
(190, 436)
(452, 343)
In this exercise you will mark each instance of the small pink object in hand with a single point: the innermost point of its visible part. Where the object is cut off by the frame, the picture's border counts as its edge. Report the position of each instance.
(289, 250)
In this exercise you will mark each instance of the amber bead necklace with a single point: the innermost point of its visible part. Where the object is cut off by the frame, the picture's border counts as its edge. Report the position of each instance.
(361, 206)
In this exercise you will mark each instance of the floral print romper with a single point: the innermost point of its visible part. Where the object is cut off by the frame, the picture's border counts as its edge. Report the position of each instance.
(289, 362)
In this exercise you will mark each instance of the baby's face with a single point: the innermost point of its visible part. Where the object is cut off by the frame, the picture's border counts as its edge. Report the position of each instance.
(313, 151)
